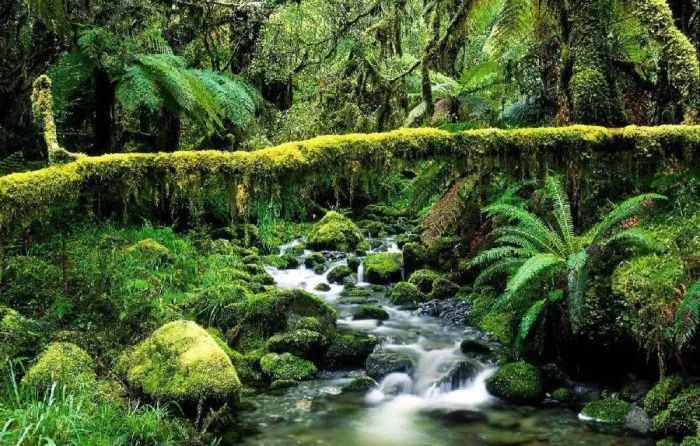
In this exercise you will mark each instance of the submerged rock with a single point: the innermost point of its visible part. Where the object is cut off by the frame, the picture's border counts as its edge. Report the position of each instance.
(383, 362)
(180, 362)
(475, 346)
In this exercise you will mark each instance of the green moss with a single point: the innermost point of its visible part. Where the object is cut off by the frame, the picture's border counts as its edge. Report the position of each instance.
(338, 274)
(517, 382)
(180, 362)
(662, 393)
(285, 261)
(414, 256)
(63, 363)
(383, 268)
(562, 395)
(322, 287)
(19, 336)
(302, 342)
(350, 349)
(335, 232)
(287, 367)
(444, 289)
(682, 416)
(314, 259)
(353, 263)
(370, 312)
(405, 293)
(42, 105)
(360, 384)
(424, 279)
(150, 250)
(608, 411)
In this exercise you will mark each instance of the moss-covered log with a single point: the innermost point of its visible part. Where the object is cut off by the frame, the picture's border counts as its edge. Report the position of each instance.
(188, 177)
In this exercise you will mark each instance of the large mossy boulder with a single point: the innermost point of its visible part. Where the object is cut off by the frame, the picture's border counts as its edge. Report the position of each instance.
(286, 367)
(659, 397)
(383, 268)
(350, 350)
(681, 417)
(279, 311)
(63, 364)
(180, 362)
(19, 336)
(516, 382)
(304, 343)
(367, 312)
(338, 274)
(610, 411)
(424, 279)
(406, 293)
(336, 233)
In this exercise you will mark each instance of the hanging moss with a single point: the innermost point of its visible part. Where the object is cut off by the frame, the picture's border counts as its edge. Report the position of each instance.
(677, 51)
(42, 104)
(171, 182)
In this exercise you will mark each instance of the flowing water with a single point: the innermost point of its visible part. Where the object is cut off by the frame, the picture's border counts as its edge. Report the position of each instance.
(431, 406)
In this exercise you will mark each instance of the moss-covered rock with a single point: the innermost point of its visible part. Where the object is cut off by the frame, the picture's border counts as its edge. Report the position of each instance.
(370, 312)
(414, 255)
(662, 393)
(19, 336)
(444, 289)
(562, 395)
(180, 362)
(424, 279)
(314, 259)
(406, 293)
(360, 384)
(335, 232)
(284, 261)
(383, 268)
(338, 274)
(322, 287)
(349, 349)
(353, 263)
(304, 343)
(150, 250)
(287, 367)
(516, 382)
(62, 363)
(383, 362)
(611, 411)
(682, 416)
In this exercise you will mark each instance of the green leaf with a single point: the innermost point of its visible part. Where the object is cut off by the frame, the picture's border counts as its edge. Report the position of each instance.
(529, 322)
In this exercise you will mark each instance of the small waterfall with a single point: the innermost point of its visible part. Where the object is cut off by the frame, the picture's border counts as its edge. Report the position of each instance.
(361, 273)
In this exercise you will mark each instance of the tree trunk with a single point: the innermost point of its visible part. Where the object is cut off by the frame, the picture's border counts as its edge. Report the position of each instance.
(171, 131)
(595, 98)
(104, 113)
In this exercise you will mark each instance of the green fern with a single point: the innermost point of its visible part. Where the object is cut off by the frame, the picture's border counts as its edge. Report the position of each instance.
(687, 317)
(529, 322)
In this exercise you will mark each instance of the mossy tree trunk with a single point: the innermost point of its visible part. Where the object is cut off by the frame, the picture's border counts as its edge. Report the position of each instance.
(592, 90)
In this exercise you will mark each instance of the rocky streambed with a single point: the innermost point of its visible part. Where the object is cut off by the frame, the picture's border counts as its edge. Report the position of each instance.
(424, 383)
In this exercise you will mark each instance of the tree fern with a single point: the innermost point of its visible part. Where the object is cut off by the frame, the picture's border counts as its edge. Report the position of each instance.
(562, 210)
(530, 321)
(626, 210)
(528, 222)
(533, 268)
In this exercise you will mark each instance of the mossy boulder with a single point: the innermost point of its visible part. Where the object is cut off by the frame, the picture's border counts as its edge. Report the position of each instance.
(360, 384)
(370, 312)
(314, 259)
(349, 350)
(322, 287)
(62, 363)
(383, 362)
(516, 382)
(19, 336)
(424, 279)
(682, 416)
(610, 411)
(338, 274)
(353, 263)
(444, 289)
(562, 395)
(151, 250)
(304, 343)
(406, 293)
(475, 347)
(383, 268)
(335, 232)
(284, 261)
(414, 255)
(287, 367)
(267, 314)
(662, 393)
(180, 362)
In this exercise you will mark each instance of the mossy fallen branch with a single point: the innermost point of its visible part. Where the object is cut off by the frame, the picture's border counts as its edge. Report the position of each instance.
(26, 198)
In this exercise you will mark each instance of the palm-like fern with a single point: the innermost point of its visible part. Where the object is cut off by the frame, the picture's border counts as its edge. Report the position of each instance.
(529, 249)
(687, 316)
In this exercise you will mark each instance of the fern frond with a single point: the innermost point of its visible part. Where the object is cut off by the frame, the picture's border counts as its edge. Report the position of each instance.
(503, 267)
(637, 237)
(562, 209)
(512, 24)
(577, 265)
(687, 316)
(624, 211)
(239, 101)
(69, 74)
(530, 223)
(496, 254)
(524, 238)
(529, 322)
(533, 268)
(447, 211)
